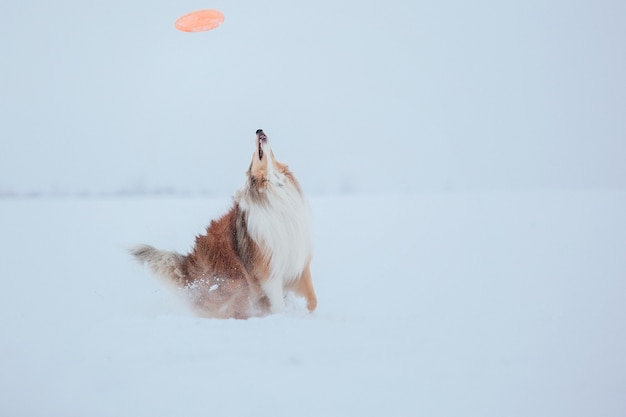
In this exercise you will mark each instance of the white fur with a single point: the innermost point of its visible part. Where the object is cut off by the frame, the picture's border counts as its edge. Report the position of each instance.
(274, 290)
(281, 227)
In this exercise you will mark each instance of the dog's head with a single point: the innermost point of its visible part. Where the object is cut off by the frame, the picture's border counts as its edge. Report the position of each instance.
(265, 171)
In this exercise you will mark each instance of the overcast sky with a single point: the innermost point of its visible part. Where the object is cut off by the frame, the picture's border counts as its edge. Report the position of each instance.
(357, 96)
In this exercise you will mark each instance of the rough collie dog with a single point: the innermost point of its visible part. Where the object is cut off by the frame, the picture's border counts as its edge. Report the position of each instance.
(253, 255)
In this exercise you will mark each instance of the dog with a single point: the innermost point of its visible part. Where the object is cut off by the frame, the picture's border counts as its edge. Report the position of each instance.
(251, 257)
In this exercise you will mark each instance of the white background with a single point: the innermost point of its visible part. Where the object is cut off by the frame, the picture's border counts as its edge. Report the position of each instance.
(107, 97)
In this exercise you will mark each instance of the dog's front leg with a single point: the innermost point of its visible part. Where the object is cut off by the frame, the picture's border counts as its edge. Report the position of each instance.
(273, 288)
(306, 290)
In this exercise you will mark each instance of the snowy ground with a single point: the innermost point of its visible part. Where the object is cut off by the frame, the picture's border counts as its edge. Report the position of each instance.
(493, 304)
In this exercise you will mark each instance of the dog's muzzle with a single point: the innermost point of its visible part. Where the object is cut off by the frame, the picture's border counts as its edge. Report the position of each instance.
(261, 138)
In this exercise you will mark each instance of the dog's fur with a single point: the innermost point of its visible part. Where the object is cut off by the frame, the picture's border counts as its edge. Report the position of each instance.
(252, 255)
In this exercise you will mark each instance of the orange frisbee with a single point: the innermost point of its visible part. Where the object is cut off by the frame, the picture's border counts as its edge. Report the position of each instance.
(200, 20)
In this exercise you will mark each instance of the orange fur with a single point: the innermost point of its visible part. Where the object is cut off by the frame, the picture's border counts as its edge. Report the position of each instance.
(222, 284)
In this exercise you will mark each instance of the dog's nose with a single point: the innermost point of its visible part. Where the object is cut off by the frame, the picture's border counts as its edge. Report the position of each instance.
(260, 132)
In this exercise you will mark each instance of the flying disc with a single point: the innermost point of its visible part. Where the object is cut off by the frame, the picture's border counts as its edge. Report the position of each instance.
(200, 20)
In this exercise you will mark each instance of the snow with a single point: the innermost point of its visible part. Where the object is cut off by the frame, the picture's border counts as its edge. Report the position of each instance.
(443, 304)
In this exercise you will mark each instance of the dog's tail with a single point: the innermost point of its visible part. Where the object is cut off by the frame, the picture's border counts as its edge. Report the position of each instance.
(167, 265)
